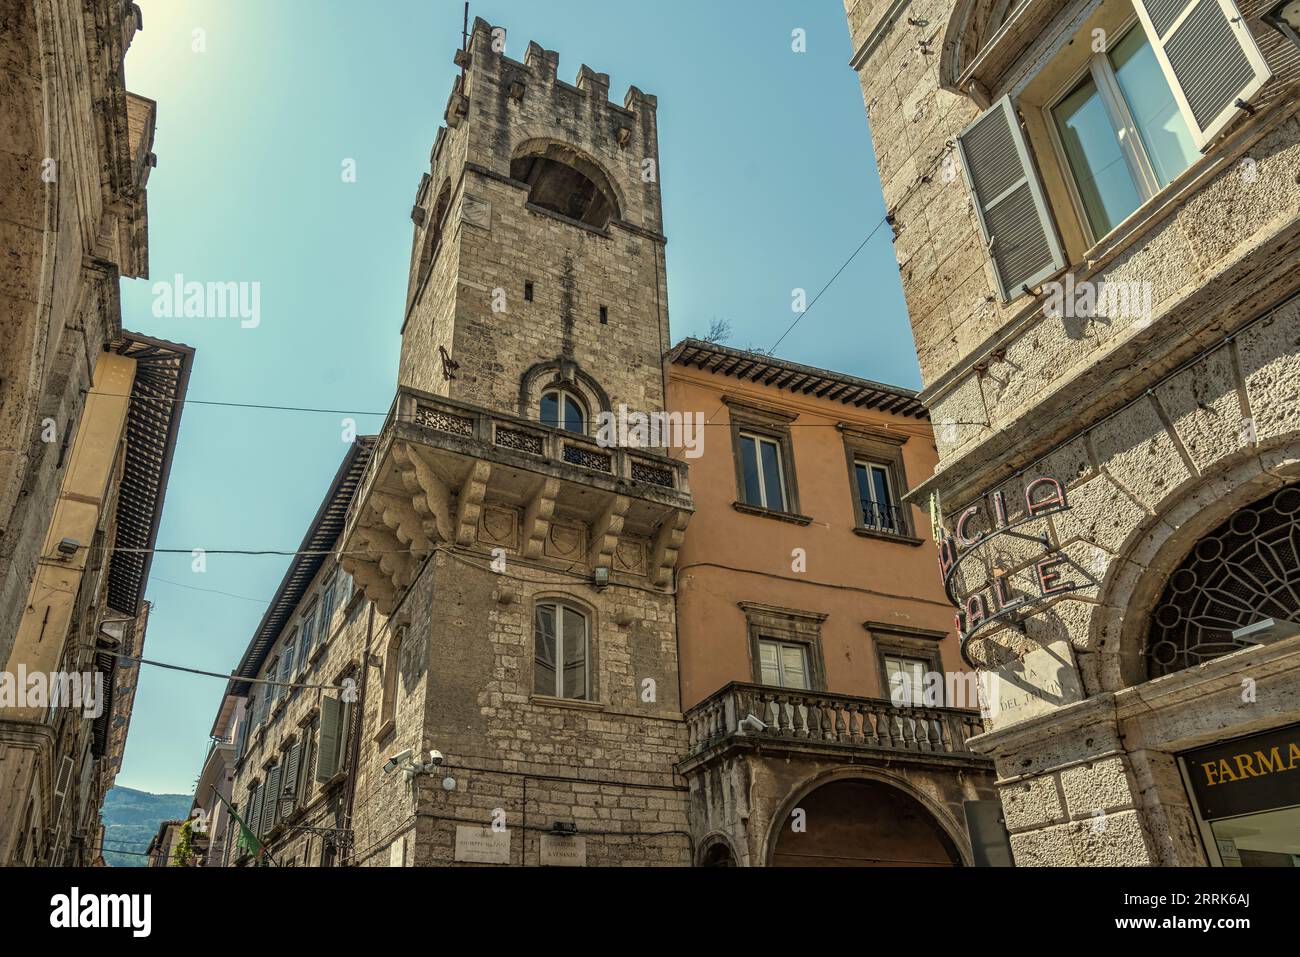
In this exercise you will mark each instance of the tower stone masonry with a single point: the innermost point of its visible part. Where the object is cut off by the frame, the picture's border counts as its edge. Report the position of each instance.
(521, 571)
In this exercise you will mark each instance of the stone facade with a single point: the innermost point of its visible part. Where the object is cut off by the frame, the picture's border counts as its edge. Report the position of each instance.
(84, 611)
(537, 271)
(1158, 423)
(840, 576)
(72, 221)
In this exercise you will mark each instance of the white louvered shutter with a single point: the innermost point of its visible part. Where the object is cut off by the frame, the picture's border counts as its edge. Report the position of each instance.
(1208, 56)
(254, 814)
(271, 807)
(1019, 233)
(290, 788)
(331, 712)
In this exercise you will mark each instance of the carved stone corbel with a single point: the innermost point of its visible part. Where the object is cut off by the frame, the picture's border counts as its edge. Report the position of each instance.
(667, 542)
(398, 513)
(469, 503)
(537, 517)
(605, 532)
(372, 582)
(430, 495)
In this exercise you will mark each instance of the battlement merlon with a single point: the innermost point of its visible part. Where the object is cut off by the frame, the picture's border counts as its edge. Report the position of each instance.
(488, 42)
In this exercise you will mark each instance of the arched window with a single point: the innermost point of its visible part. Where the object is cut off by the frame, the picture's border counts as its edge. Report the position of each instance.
(563, 410)
(560, 652)
(563, 180)
(1241, 574)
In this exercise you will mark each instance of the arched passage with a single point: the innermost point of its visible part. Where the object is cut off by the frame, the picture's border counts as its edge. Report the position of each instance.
(851, 822)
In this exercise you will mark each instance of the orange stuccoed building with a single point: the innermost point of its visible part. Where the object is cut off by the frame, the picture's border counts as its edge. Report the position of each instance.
(827, 702)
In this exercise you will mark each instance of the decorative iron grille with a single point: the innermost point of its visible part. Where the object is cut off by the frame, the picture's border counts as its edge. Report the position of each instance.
(653, 474)
(1246, 570)
(443, 421)
(587, 458)
(519, 441)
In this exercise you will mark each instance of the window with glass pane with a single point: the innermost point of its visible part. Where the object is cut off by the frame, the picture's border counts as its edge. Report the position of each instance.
(1122, 133)
(875, 493)
(326, 613)
(560, 652)
(562, 411)
(290, 656)
(761, 472)
(783, 664)
(309, 628)
(906, 678)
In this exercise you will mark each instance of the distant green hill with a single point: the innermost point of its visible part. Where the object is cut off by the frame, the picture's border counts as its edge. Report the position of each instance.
(131, 819)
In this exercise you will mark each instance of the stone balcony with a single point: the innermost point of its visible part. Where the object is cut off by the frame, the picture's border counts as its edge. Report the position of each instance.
(822, 724)
(447, 474)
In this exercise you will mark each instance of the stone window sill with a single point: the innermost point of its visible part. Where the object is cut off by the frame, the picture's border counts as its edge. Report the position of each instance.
(576, 703)
(385, 731)
(902, 539)
(791, 517)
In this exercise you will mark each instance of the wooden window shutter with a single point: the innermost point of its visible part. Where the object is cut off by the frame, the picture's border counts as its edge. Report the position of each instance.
(291, 772)
(327, 756)
(254, 814)
(271, 806)
(1208, 56)
(1019, 233)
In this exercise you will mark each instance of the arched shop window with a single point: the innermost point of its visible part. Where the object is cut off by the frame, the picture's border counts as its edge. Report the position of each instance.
(1245, 571)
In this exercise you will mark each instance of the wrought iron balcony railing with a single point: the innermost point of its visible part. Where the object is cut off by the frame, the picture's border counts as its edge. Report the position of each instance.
(811, 716)
(882, 518)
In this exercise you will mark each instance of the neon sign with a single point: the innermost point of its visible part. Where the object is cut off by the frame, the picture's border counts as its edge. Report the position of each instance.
(995, 602)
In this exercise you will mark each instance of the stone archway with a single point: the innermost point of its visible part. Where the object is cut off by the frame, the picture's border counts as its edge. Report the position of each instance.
(716, 851)
(1120, 622)
(852, 820)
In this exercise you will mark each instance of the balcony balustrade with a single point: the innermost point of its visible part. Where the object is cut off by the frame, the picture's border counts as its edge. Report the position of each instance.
(792, 715)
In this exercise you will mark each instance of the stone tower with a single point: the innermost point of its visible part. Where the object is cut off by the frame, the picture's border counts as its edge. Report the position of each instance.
(538, 250)
(523, 571)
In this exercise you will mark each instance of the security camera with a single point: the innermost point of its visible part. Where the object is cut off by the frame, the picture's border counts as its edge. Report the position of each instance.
(436, 758)
(751, 723)
(395, 760)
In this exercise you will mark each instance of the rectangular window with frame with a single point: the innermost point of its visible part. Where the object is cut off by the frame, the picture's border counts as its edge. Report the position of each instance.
(905, 678)
(560, 652)
(875, 489)
(273, 689)
(783, 664)
(1121, 133)
(326, 611)
(310, 633)
(762, 473)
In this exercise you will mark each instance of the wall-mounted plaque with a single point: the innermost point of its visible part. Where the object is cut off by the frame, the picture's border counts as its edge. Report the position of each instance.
(482, 845)
(560, 850)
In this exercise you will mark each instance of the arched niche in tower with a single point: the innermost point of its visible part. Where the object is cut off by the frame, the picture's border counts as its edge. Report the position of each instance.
(564, 180)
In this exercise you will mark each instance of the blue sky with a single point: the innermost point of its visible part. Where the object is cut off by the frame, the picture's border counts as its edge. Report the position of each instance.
(769, 184)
